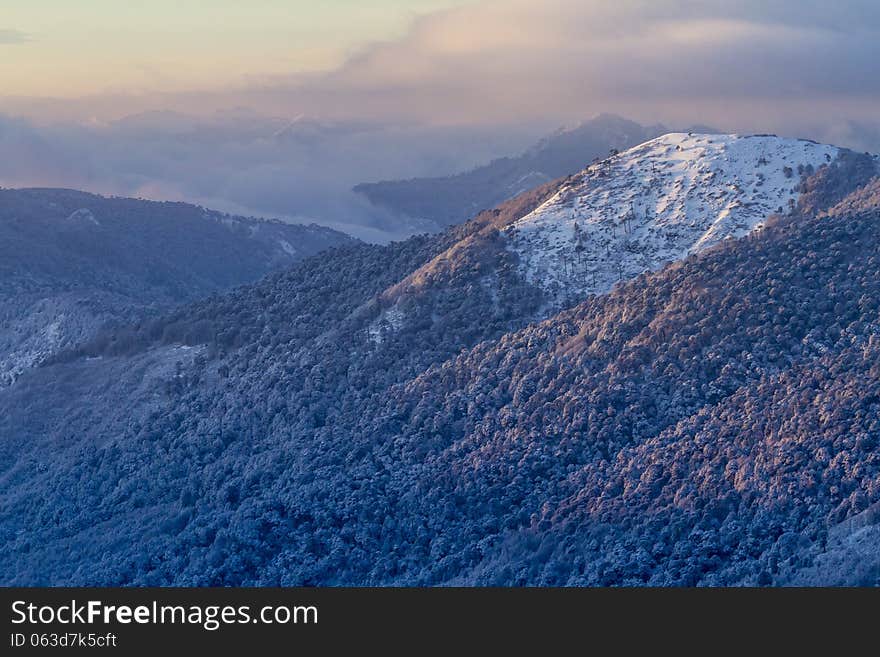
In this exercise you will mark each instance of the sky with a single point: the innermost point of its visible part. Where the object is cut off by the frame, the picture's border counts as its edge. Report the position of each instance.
(93, 47)
(279, 107)
(445, 61)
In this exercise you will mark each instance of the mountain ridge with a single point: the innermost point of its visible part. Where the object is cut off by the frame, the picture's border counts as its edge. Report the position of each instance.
(539, 227)
(661, 433)
(657, 202)
(73, 261)
(456, 198)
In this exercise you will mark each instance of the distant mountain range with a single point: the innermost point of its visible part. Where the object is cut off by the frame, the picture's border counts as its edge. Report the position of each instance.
(71, 262)
(636, 401)
(453, 199)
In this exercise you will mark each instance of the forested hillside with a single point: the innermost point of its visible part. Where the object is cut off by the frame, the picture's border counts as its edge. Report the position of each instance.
(395, 415)
(71, 263)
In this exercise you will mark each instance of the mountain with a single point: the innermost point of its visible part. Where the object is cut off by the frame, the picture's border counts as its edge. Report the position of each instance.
(646, 207)
(71, 262)
(658, 202)
(433, 411)
(453, 199)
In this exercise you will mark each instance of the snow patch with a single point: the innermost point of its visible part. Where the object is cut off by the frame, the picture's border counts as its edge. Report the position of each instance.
(657, 203)
(287, 247)
(26, 343)
(83, 215)
(391, 320)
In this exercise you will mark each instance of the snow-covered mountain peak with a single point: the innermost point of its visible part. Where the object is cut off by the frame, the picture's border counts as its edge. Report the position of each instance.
(657, 203)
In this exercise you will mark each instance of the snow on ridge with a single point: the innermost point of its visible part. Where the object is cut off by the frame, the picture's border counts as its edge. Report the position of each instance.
(83, 215)
(287, 247)
(657, 203)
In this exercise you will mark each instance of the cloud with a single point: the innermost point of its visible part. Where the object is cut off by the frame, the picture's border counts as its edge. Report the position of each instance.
(741, 65)
(13, 37)
(246, 163)
(518, 59)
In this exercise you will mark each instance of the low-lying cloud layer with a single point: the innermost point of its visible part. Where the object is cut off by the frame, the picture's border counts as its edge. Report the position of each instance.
(245, 163)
